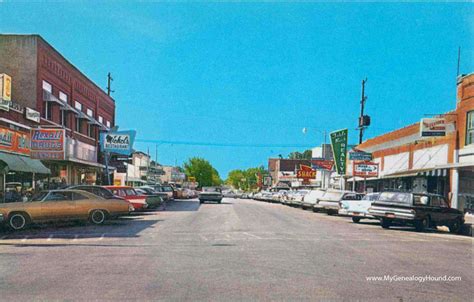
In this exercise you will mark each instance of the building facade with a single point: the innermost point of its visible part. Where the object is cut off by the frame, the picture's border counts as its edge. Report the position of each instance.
(441, 164)
(59, 96)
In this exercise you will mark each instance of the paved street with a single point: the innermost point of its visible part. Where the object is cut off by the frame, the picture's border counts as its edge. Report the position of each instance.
(237, 250)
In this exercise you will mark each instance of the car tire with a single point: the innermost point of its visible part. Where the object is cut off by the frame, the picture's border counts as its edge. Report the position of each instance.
(385, 223)
(455, 226)
(97, 217)
(356, 219)
(423, 224)
(201, 201)
(18, 221)
(220, 201)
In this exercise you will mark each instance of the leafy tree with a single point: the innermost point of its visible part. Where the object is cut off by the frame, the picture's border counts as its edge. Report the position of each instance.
(245, 179)
(203, 171)
(307, 154)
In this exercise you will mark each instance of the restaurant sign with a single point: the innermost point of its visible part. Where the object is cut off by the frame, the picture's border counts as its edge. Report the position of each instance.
(119, 142)
(433, 127)
(14, 141)
(306, 173)
(48, 144)
(32, 115)
(365, 169)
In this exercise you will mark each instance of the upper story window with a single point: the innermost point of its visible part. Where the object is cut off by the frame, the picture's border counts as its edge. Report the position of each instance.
(63, 96)
(108, 124)
(101, 119)
(47, 87)
(78, 106)
(90, 112)
(470, 128)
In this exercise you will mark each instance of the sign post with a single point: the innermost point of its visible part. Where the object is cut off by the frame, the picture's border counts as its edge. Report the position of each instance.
(117, 142)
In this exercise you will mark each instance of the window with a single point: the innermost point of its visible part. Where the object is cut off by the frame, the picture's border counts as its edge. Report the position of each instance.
(470, 128)
(101, 119)
(48, 111)
(63, 96)
(79, 196)
(59, 196)
(90, 112)
(78, 106)
(90, 131)
(78, 124)
(108, 124)
(47, 87)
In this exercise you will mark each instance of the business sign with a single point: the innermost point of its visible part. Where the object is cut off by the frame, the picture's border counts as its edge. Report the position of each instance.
(32, 115)
(48, 144)
(120, 142)
(433, 127)
(339, 150)
(306, 173)
(14, 141)
(5, 91)
(321, 164)
(359, 155)
(365, 169)
(267, 181)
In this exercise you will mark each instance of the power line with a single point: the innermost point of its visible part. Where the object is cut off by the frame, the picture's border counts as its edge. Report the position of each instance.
(189, 143)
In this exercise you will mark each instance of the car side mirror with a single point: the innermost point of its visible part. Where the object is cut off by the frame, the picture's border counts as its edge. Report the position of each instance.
(424, 200)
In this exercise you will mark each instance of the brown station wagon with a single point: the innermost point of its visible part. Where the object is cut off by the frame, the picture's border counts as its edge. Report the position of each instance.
(57, 205)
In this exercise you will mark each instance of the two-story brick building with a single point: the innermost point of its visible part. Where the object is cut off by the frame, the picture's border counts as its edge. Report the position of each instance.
(439, 164)
(46, 85)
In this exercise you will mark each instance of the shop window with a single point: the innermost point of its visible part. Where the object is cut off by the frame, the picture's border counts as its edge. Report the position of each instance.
(470, 128)
(64, 116)
(90, 130)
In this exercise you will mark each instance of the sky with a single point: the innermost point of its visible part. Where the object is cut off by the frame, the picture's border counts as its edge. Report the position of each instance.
(236, 83)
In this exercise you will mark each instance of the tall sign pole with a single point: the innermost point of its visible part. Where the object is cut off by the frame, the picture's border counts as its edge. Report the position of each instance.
(364, 120)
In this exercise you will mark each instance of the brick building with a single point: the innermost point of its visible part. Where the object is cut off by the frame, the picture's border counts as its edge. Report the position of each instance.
(443, 164)
(45, 85)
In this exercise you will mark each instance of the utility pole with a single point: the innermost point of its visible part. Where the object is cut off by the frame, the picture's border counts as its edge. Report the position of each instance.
(109, 80)
(364, 120)
(459, 59)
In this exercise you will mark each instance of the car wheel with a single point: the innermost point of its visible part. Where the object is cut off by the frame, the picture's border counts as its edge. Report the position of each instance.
(201, 201)
(97, 217)
(18, 221)
(356, 219)
(455, 226)
(421, 225)
(220, 201)
(385, 223)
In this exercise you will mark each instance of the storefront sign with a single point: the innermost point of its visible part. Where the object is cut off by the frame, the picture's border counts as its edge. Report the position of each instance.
(433, 127)
(32, 115)
(320, 164)
(120, 142)
(79, 150)
(365, 169)
(14, 141)
(306, 173)
(48, 144)
(359, 155)
(5, 91)
(339, 149)
(267, 181)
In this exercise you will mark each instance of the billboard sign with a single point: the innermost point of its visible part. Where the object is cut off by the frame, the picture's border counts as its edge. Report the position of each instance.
(321, 164)
(119, 142)
(339, 149)
(433, 127)
(306, 173)
(48, 144)
(365, 169)
(5, 91)
(14, 141)
(359, 155)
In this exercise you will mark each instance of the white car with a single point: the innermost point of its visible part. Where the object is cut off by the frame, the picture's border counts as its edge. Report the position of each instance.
(296, 198)
(358, 209)
(312, 198)
(331, 200)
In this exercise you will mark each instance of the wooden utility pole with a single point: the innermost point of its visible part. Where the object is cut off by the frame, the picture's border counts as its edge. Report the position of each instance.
(459, 59)
(361, 117)
(109, 80)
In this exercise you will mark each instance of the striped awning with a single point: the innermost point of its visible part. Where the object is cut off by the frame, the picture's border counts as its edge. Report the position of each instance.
(435, 172)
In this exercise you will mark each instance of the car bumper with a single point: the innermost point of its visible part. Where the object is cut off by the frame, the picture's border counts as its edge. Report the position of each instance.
(391, 214)
(330, 205)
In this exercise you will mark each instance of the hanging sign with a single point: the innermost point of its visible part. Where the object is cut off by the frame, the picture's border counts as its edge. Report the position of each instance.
(306, 173)
(339, 150)
(5, 91)
(365, 169)
(32, 115)
(359, 155)
(48, 144)
(321, 164)
(433, 127)
(120, 142)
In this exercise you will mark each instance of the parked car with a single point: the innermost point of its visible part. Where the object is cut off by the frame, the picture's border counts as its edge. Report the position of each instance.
(153, 200)
(151, 191)
(310, 199)
(331, 200)
(358, 209)
(296, 197)
(58, 205)
(419, 210)
(210, 194)
(137, 200)
(168, 189)
(97, 190)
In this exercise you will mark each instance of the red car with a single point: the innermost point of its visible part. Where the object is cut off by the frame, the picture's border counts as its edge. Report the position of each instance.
(137, 200)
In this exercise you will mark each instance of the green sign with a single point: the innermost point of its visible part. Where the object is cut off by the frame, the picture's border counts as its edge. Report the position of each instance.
(339, 149)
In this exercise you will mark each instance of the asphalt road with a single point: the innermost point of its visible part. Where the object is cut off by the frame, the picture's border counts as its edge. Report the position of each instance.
(234, 251)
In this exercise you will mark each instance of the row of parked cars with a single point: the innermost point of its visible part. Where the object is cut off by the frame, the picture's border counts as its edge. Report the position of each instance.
(83, 202)
(420, 210)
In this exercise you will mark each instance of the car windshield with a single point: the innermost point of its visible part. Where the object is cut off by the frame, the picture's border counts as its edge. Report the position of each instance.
(167, 189)
(371, 197)
(39, 196)
(211, 189)
(402, 198)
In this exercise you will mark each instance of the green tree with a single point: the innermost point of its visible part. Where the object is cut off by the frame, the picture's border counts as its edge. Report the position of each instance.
(245, 179)
(307, 154)
(203, 171)
(234, 178)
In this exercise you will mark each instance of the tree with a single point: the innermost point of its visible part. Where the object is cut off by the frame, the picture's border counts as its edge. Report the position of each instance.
(203, 171)
(307, 154)
(235, 178)
(245, 179)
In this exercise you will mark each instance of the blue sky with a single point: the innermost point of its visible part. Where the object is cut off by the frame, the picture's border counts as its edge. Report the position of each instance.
(257, 73)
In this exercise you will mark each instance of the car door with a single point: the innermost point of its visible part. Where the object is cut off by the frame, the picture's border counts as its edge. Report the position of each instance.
(437, 215)
(58, 205)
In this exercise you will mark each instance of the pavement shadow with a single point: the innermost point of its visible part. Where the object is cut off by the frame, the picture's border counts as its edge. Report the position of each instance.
(183, 205)
(122, 228)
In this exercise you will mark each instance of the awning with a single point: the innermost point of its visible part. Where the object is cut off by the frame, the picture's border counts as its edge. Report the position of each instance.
(23, 164)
